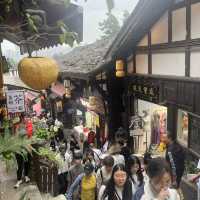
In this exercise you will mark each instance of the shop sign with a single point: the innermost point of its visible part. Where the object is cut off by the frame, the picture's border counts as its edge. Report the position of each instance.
(145, 91)
(15, 101)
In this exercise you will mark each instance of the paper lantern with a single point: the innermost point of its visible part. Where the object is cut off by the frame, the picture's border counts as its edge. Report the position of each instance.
(120, 73)
(38, 72)
(68, 93)
(120, 68)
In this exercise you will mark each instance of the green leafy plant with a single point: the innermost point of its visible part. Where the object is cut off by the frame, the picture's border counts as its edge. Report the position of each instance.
(42, 133)
(14, 144)
(50, 155)
(191, 167)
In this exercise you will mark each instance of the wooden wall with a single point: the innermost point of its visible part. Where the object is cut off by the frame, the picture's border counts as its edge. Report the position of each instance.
(172, 46)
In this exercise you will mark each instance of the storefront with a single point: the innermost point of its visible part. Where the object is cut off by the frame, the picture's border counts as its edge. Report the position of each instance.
(161, 66)
(154, 119)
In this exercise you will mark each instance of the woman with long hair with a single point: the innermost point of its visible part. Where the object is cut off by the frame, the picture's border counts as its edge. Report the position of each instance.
(134, 170)
(118, 187)
(159, 185)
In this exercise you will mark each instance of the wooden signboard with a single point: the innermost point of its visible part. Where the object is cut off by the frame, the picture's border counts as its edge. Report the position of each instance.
(145, 91)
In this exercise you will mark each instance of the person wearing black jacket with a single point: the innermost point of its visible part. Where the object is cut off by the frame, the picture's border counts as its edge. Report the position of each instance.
(175, 156)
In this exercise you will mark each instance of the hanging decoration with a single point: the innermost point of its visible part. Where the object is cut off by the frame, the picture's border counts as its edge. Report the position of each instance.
(96, 104)
(68, 92)
(38, 72)
(120, 68)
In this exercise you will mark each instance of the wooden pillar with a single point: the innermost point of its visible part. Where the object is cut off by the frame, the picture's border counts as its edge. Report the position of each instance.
(172, 113)
(1, 73)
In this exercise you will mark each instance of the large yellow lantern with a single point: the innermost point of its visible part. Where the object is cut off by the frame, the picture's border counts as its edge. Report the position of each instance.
(120, 68)
(38, 72)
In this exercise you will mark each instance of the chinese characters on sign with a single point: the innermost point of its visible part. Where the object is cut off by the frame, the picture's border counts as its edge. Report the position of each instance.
(144, 91)
(15, 101)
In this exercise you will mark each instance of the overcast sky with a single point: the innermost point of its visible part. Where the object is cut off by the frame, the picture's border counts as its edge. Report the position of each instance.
(95, 12)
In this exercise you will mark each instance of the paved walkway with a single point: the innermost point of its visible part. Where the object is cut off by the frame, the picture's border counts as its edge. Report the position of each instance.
(7, 191)
(8, 180)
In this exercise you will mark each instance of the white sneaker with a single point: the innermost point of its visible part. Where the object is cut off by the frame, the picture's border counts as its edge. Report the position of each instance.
(18, 183)
(27, 179)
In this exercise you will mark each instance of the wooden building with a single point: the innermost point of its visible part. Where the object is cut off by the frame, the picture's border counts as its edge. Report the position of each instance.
(159, 45)
(83, 71)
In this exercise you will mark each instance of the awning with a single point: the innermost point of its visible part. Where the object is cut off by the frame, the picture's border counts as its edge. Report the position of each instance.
(58, 89)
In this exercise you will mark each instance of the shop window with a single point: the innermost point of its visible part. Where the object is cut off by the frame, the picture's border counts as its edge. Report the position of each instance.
(182, 132)
(194, 64)
(195, 22)
(159, 32)
(142, 64)
(173, 65)
(179, 24)
(154, 125)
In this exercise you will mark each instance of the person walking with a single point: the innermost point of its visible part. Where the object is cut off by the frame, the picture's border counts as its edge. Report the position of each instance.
(159, 185)
(118, 187)
(146, 160)
(23, 165)
(66, 158)
(87, 183)
(135, 172)
(175, 156)
(104, 173)
(74, 171)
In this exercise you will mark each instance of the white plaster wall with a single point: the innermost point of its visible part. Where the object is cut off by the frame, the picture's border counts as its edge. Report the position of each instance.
(130, 66)
(195, 21)
(142, 63)
(195, 64)
(144, 41)
(168, 64)
(159, 32)
(179, 24)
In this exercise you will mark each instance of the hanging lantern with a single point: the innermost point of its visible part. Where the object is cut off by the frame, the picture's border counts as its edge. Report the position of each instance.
(68, 93)
(120, 68)
(38, 72)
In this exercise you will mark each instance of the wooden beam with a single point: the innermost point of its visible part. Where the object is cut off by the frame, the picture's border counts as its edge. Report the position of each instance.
(170, 26)
(149, 54)
(188, 20)
(187, 62)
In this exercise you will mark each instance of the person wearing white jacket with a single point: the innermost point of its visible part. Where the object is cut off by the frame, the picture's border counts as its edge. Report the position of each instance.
(158, 186)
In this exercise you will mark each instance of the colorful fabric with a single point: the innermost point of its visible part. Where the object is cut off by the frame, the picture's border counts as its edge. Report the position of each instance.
(88, 188)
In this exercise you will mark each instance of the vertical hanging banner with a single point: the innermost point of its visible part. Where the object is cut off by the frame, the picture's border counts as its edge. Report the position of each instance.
(15, 101)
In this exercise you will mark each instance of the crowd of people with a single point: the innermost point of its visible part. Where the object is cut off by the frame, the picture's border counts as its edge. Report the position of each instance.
(113, 172)
(116, 174)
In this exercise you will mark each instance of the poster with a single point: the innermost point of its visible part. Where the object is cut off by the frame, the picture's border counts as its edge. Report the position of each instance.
(182, 135)
(136, 125)
(15, 101)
